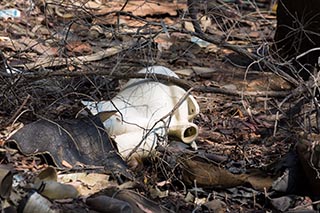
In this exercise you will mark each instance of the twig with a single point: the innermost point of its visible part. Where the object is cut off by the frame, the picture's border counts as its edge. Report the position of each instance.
(276, 124)
(307, 52)
(278, 94)
(53, 62)
(193, 11)
(124, 5)
(25, 101)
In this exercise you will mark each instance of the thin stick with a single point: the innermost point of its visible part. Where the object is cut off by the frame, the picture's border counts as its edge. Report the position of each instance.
(25, 101)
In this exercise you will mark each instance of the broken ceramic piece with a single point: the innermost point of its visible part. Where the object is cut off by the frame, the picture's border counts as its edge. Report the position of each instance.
(104, 203)
(47, 185)
(137, 202)
(73, 141)
(55, 190)
(6, 179)
(146, 110)
(34, 202)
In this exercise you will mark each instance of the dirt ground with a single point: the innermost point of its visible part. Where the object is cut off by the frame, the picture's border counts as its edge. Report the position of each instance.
(57, 53)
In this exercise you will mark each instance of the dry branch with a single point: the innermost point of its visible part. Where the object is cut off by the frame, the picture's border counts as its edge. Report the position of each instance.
(54, 62)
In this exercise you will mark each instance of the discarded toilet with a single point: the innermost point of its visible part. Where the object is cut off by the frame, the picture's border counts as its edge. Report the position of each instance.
(146, 111)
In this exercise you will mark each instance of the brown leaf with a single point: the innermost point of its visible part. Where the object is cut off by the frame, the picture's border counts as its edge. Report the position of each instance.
(79, 48)
(38, 47)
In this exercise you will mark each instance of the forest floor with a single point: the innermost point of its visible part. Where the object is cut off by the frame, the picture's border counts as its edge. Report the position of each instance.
(57, 53)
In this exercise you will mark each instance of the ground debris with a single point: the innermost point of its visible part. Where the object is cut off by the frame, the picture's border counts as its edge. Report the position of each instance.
(56, 53)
